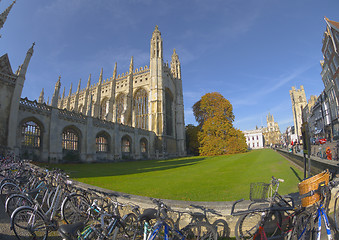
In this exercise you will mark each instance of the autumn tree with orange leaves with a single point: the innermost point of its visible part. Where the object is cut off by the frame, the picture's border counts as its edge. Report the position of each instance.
(214, 113)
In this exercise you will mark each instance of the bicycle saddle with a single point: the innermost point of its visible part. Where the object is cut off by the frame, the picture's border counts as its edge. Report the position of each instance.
(198, 215)
(148, 214)
(69, 231)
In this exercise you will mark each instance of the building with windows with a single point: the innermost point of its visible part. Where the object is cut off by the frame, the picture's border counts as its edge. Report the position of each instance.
(330, 78)
(271, 133)
(133, 115)
(254, 138)
(299, 102)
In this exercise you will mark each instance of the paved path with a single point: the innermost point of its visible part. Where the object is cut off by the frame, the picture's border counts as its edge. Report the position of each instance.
(7, 234)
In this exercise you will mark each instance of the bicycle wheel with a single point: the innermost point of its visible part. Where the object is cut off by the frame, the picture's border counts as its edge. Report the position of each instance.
(28, 224)
(129, 226)
(7, 189)
(303, 228)
(222, 228)
(75, 208)
(15, 201)
(200, 231)
(248, 224)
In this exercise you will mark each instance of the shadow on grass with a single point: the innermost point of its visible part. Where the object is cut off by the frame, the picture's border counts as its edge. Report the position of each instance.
(88, 170)
(296, 174)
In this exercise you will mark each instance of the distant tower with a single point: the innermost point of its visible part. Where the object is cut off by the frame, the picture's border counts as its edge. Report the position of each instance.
(299, 101)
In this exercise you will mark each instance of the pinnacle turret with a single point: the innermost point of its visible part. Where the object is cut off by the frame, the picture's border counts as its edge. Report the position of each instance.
(100, 77)
(41, 97)
(4, 15)
(89, 82)
(115, 71)
(78, 90)
(131, 66)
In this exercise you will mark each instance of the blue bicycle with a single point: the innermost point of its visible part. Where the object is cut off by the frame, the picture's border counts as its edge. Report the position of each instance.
(164, 227)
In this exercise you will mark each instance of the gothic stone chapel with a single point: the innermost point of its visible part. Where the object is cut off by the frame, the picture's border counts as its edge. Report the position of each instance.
(134, 115)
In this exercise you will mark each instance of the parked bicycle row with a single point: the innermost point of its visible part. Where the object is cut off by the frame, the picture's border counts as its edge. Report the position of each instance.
(38, 201)
(272, 216)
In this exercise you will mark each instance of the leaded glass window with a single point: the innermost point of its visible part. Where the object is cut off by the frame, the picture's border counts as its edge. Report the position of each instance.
(141, 109)
(125, 145)
(70, 140)
(120, 108)
(31, 135)
(102, 143)
(169, 113)
(104, 108)
(143, 146)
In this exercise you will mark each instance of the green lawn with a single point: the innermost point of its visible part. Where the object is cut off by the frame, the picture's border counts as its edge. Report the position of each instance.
(220, 178)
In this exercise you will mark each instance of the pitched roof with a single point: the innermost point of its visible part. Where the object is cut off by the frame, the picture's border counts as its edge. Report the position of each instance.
(5, 66)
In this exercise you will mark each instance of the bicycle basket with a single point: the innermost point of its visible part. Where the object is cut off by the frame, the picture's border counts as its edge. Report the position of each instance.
(258, 191)
(312, 183)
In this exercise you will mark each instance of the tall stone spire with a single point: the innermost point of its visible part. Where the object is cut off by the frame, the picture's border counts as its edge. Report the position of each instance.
(131, 66)
(14, 109)
(175, 65)
(84, 109)
(115, 71)
(89, 82)
(111, 113)
(3, 16)
(76, 100)
(157, 93)
(41, 97)
(79, 85)
(55, 97)
(100, 77)
(68, 102)
(24, 66)
(61, 105)
(96, 107)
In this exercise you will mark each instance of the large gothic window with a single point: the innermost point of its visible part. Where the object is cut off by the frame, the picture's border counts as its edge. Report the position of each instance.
(31, 135)
(70, 140)
(169, 113)
(126, 147)
(104, 108)
(102, 143)
(143, 148)
(120, 108)
(141, 109)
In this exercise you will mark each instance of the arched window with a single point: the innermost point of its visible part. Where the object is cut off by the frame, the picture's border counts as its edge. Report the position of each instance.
(141, 109)
(125, 145)
(70, 140)
(104, 108)
(31, 135)
(102, 143)
(120, 108)
(143, 148)
(169, 113)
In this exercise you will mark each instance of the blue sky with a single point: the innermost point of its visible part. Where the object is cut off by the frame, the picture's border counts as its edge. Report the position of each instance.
(251, 51)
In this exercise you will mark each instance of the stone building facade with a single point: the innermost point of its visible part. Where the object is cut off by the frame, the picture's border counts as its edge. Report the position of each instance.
(298, 99)
(133, 115)
(271, 133)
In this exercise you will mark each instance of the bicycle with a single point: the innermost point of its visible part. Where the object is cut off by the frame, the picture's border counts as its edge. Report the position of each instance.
(104, 225)
(164, 228)
(34, 222)
(264, 212)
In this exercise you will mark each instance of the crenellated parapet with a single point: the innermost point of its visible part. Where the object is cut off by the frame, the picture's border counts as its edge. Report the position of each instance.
(72, 116)
(125, 128)
(104, 124)
(34, 107)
